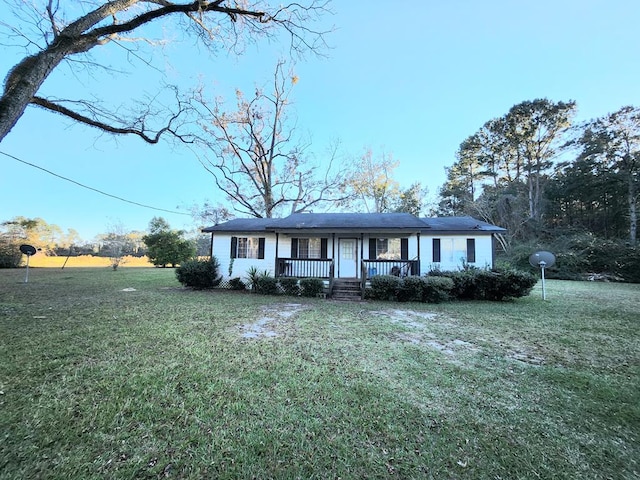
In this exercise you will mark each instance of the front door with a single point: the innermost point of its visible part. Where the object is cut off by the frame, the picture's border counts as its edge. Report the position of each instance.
(347, 258)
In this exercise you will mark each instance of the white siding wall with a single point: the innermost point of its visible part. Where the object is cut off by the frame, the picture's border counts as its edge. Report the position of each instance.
(484, 251)
(448, 261)
(222, 251)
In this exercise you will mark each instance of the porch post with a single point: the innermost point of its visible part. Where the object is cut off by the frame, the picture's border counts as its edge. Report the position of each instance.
(275, 268)
(361, 249)
(418, 235)
(333, 247)
(360, 265)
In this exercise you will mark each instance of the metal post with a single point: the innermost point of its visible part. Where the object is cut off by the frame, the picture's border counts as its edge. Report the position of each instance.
(26, 279)
(544, 293)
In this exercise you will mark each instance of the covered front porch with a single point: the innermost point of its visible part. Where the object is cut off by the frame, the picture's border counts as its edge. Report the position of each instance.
(326, 268)
(341, 287)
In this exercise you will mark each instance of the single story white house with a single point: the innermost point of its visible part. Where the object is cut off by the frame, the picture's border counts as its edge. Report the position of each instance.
(351, 245)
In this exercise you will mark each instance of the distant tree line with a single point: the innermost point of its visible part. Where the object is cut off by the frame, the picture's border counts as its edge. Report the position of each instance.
(571, 188)
(163, 246)
(52, 240)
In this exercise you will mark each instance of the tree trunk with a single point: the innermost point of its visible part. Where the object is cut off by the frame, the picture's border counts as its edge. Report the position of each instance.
(530, 187)
(26, 78)
(536, 198)
(22, 84)
(268, 200)
(633, 214)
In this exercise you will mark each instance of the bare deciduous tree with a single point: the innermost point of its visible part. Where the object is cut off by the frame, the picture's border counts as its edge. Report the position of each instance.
(51, 35)
(373, 184)
(209, 214)
(256, 159)
(114, 242)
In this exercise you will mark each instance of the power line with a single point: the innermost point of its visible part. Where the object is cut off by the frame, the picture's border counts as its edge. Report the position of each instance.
(91, 188)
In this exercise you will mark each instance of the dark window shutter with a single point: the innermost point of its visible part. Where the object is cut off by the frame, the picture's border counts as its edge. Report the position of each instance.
(436, 250)
(261, 247)
(372, 249)
(471, 250)
(294, 248)
(234, 247)
(324, 242)
(404, 249)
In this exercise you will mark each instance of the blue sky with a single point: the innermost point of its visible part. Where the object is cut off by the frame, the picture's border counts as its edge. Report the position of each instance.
(414, 80)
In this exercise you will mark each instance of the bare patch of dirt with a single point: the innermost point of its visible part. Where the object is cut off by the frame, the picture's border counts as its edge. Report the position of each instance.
(423, 328)
(271, 323)
(431, 330)
(412, 319)
(452, 347)
(524, 356)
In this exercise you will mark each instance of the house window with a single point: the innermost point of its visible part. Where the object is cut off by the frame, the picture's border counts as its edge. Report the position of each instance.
(247, 247)
(348, 249)
(437, 257)
(388, 248)
(471, 250)
(454, 250)
(308, 248)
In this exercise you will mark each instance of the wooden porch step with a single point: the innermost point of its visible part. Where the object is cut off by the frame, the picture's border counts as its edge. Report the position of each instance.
(346, 289)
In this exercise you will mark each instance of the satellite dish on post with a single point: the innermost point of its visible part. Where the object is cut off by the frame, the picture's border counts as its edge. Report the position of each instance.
(542, 260)
(28, 250)
(537, 259)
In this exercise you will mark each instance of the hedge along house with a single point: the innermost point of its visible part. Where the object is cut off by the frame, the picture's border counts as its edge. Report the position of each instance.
(338, 247)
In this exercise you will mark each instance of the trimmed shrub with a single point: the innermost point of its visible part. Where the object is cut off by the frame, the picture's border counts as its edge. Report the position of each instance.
(289, 286)
(237, 284)
(385, 287)
(515, 284)
(473, 284)
(437, 289)
(311, 287)
(199, 274)
(464, 284)
(489, 286)
(267, 285)
(411, 289)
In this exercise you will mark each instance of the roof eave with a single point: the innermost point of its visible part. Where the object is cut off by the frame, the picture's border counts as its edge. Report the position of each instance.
(473, 231)
(345, 230)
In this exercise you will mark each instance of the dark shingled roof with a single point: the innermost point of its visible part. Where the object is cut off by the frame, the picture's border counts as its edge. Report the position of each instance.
(349, 221)
(241, 225)
(356, 222)
(459, 224)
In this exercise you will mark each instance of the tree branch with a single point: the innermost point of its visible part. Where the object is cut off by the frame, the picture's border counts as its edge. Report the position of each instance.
(140, 132)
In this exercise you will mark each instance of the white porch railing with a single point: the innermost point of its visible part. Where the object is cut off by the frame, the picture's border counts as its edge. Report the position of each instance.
(304, 267)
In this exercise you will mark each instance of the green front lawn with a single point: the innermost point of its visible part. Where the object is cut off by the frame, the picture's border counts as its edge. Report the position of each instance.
(163, 382)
